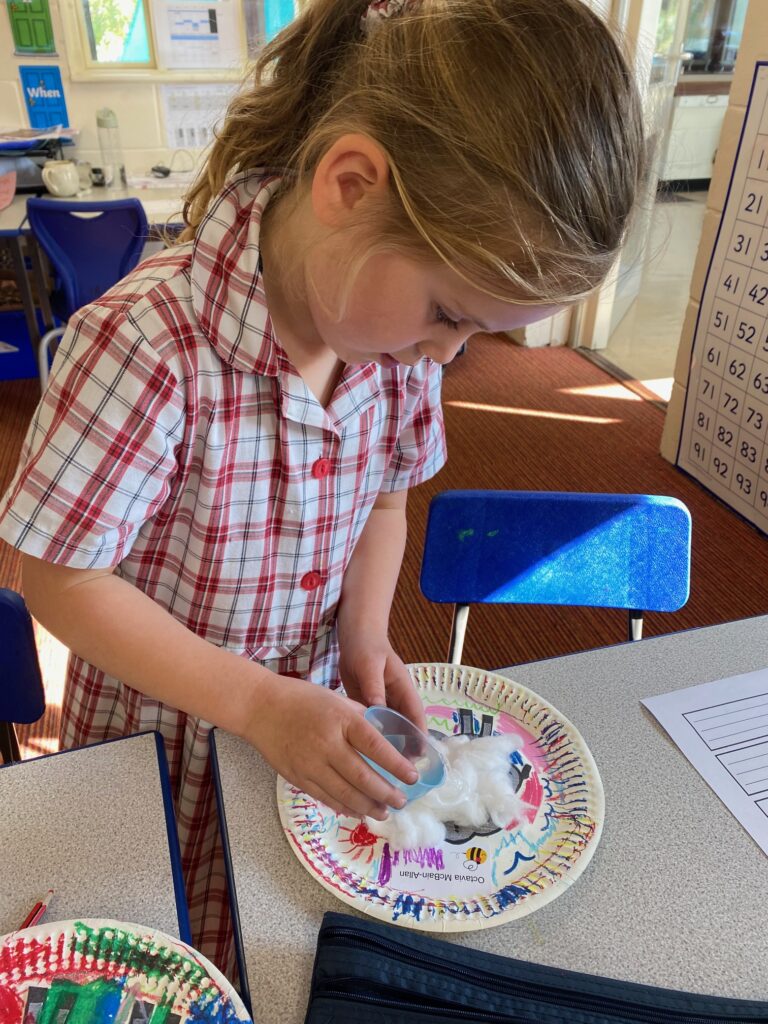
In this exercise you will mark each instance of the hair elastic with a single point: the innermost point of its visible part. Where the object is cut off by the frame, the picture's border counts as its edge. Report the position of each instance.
(382, 10)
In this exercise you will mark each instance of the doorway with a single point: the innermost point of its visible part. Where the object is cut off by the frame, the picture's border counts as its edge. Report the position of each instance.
(685, 51)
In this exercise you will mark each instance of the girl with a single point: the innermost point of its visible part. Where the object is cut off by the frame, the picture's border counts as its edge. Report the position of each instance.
(211, 497)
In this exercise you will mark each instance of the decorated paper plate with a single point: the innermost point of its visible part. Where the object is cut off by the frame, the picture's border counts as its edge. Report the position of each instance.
(481, 876)
(107, 972)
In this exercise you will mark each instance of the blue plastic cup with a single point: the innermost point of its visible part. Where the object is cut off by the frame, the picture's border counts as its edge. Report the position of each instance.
(407, 739)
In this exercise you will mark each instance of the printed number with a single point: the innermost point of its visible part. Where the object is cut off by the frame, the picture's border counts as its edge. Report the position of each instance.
(731, 403)
(748, 452)
(713, 356)
(744, 484)
(754, 203)
(743, 244)
(764, 253)
(737, 369)
(721, 466)
(702, 421)
(764, 498)
(746, 332)
(700, 450)
(760, 383)
(725, 436)
(753, 414)
(730, 284)
(758, 294)
(721, 319)
(708, 388)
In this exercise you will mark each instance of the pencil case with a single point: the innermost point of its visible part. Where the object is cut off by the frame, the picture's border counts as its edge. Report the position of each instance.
(378, 974)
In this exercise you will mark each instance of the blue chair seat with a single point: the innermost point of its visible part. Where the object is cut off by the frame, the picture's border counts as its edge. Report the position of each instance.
(22, 698)
(628, 551)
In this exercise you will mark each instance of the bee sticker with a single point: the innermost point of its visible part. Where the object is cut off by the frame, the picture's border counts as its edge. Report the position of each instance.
(475, 856)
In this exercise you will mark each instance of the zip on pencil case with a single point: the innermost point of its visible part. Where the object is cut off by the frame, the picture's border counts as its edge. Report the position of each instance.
(371, 973)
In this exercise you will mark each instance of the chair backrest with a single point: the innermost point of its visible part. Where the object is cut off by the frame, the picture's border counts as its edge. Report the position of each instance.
(535, 547)
(22, 698)
(91, 245)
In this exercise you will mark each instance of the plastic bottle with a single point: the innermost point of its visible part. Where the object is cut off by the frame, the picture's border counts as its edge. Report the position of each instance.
(112, 161)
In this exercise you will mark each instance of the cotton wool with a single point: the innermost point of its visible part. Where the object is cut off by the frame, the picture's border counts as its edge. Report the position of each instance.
(477, 788)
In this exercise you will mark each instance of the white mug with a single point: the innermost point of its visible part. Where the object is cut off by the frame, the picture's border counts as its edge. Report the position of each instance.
(61, 178)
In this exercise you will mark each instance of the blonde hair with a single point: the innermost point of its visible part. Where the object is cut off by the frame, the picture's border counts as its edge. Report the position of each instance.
(512, 129)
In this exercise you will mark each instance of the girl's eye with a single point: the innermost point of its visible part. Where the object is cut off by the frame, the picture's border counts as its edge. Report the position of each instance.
(442, 318)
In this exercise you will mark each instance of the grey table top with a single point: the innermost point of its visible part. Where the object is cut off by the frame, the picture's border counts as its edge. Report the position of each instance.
(89, 824)
(674, 895)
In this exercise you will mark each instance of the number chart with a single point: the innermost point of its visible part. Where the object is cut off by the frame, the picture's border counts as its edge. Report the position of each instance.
(724, 440)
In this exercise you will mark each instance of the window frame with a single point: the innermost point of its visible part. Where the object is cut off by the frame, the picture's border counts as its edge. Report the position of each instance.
(83, 68)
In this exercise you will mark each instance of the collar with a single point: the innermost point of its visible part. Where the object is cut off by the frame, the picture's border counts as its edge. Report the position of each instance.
(227, 288)
(231, 307)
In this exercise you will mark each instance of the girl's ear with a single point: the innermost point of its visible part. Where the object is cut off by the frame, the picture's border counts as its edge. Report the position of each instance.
(351, 173)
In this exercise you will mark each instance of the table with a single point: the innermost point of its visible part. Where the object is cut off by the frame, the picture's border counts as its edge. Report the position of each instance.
(96, 825)
(161, 205)
(674, 895)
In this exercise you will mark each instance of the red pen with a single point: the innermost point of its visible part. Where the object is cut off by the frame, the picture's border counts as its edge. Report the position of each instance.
(37, 911)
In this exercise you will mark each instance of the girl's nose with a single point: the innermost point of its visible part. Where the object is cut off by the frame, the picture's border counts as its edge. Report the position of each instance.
(444, 350)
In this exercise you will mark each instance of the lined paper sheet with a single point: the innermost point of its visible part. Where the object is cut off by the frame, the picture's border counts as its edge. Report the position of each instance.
(722, 728)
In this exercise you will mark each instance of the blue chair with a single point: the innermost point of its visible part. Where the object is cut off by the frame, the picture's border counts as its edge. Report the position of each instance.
(629, 551)
(90, 246)
(22, 698)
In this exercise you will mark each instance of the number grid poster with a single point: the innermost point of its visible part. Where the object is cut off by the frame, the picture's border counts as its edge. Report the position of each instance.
(724, 440)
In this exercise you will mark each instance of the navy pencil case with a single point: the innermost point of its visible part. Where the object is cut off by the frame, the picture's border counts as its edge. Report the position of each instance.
(371, 973)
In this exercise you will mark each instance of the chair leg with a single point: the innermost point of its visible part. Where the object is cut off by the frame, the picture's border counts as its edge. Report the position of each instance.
(46, 343)
(634, 625)
(458, 632)
(9, 745)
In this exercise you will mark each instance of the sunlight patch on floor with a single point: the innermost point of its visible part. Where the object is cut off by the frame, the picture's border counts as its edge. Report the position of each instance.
(661, 386)
(510, 410)
(53, 664)
(603, 391)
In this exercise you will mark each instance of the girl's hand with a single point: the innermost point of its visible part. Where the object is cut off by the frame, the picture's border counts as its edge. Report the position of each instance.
(372, 673)
(314, 737)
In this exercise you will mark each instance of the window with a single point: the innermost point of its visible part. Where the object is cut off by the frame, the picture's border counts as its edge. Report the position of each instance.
(181, 39)
(117, 31)
(713, 34)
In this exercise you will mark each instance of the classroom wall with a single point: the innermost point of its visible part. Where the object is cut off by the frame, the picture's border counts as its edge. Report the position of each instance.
(754, 46)
(137, 104)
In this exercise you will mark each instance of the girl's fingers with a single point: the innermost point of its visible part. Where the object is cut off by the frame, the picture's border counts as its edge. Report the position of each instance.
(346, 793)
(371, 744)
(338, 808)
(365, 779)
(405, 699)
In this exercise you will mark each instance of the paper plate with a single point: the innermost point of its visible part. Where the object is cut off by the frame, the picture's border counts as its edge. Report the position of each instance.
(108, 971)
(478, 877)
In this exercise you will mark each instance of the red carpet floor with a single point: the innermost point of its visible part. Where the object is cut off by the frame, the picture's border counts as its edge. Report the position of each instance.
(526, 419)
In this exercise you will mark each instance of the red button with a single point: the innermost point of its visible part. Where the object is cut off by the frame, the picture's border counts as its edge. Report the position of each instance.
(311, 580)
(321, 468)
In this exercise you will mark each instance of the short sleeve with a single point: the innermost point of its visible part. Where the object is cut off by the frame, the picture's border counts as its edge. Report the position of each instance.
(420, 451)
(99, 456)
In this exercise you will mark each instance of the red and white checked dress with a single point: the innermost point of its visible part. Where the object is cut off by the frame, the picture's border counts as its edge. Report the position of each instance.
(176, 442)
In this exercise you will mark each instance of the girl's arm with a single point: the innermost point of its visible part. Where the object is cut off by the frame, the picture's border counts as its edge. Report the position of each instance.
(114, 626)
(371, 671)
